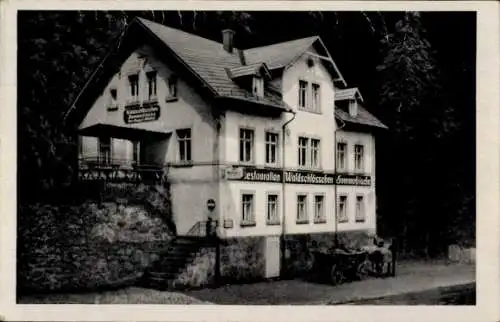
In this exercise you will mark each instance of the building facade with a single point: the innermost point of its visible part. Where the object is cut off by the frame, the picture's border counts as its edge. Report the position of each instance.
(272, 136)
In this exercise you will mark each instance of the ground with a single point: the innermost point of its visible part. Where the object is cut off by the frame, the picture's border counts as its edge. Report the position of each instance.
(130, 295)
(412, 277)
(416, 282)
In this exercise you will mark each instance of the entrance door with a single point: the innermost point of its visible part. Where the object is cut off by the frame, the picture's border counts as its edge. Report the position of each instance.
(272, 253)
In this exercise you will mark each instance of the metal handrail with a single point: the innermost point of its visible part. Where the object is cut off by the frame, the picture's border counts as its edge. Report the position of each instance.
(200, 228)
(107, 162)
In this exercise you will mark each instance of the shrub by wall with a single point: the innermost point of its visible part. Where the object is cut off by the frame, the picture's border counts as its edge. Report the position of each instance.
(242, 259)
(198, 273)
(86, 246)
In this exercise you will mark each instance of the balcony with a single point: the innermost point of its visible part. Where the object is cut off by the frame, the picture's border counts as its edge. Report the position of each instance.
(119, 170)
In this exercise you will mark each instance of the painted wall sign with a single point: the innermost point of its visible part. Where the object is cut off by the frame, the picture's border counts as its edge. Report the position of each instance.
(302, 177)
(139, 114)
(353, 180)
(294, 177)
(252, 174)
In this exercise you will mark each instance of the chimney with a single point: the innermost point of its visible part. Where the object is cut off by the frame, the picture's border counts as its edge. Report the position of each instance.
(227, 40)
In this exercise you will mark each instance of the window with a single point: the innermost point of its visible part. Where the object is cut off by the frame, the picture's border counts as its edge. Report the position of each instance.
(247, 209)
(316, 98)
(272, 209)
(359, 157)
(315, 163)
(271, 148)
(341, 155)
(246, 145)
(309, 155)
(172, 88)
(302, 209)
(360, 209)
(135, 152)
(302, 94)
(151, 76)
(319, 209)
(105, 150)
(258, 86)
(184, 139)
(342, 210)
(303, 144)
(133, 81)
(113, 105)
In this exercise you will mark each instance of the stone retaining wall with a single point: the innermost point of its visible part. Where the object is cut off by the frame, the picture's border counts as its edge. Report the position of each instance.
(87, 246)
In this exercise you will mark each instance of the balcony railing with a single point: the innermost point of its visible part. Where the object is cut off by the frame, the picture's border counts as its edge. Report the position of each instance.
(119, 170)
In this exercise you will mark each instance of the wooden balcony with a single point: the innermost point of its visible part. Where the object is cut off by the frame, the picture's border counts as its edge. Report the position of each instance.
(118, 170)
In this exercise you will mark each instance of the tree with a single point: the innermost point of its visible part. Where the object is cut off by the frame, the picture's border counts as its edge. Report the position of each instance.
(421, 122)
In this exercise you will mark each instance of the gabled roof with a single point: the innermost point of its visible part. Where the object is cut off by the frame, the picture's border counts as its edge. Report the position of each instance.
(281, 54)
(363, 117)
(348, 94)
(208, 62)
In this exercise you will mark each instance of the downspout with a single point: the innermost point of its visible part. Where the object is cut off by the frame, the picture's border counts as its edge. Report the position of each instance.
(335, 185)
(283, 212)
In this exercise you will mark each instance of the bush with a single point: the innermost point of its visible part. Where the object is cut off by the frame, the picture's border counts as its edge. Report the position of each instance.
(200, 272)
(243, 259)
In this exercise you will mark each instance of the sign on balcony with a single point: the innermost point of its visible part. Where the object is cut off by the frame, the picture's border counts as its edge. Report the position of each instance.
(139, 114)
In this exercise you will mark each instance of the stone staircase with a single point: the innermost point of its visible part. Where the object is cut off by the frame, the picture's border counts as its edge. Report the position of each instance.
(181, 251)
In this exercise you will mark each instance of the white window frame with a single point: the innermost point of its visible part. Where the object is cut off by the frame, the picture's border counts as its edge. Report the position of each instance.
(315, 97)
(305, 217)
(342, 216)
(247, 219)
(258, 86)
(113, 99)
(136, 154)
(303, 97)
(315, 153)
(185, 144)
(361, 156)
(172, 88)
(243, 140)
(133, 89)
(342, 166)
(303, 146)
(105, 151)
(319, 216)
(276, 203)
(270, 145)
(151, 78)
(360, 215)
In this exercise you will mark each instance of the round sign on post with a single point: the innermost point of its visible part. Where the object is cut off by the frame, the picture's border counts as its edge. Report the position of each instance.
(211, 204)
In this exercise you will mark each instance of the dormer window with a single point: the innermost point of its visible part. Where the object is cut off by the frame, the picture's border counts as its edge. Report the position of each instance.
(151, 78)
(172, 88)
(258, 86)
(353, 108)
(133, 81)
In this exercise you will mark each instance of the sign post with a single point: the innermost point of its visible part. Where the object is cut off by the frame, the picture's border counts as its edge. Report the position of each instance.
(212, 235)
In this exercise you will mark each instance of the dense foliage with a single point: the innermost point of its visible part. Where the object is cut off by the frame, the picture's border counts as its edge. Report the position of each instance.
(416, 73)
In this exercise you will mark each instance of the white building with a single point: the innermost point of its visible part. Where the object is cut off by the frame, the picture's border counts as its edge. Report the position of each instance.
(272, 134)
